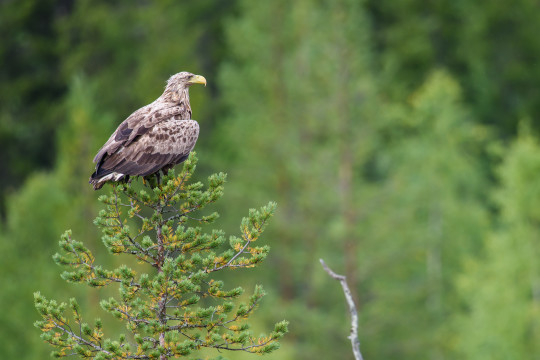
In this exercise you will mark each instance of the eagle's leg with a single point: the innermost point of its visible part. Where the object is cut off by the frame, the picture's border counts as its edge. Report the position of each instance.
(149, 181)
(165, 170)
(126, 180)
(158, 178)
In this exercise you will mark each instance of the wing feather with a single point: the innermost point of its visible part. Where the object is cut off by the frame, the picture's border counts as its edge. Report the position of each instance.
(140, 123)
(167, 143)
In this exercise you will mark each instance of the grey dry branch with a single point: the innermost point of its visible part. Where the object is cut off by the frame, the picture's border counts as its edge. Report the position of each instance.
(162, 309)
(352, 309)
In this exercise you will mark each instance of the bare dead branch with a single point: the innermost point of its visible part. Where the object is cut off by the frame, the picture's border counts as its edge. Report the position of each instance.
(352, 309)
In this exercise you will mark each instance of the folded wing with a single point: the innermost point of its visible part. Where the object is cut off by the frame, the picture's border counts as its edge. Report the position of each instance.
(144, 150)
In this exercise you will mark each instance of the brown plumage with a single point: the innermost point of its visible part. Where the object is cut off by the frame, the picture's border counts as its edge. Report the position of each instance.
(155, 137)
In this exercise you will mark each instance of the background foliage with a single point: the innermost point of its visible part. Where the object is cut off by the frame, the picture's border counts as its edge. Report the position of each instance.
(399, 140)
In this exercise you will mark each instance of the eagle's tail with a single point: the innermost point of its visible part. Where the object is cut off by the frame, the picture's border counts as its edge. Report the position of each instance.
(96, 183)
(98, 180)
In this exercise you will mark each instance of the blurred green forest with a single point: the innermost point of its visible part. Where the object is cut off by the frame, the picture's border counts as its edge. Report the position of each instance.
(399, 139)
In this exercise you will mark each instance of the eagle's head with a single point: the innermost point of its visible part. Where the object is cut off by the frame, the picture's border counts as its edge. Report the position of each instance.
(178, 85)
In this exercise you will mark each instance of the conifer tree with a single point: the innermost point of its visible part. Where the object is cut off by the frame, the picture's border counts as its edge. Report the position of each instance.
(46, 204)
(501, 288)
(480, 43)
(303, 104)
(171, 301)
(433, 199)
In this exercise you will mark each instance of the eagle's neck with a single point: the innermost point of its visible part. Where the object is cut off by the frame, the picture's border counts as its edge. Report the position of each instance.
(178, 98)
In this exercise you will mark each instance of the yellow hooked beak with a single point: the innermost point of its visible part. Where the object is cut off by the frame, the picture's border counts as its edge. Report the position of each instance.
(197, 79)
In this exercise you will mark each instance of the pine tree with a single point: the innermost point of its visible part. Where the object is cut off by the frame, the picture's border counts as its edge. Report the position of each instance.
(501, 288)
(303, 120)
(30, 89)
(488, 47)
(430, 217)
(178, 307)
(46, 204)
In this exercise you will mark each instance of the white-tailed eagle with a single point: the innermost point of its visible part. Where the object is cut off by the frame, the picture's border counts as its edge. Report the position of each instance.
(152, 139)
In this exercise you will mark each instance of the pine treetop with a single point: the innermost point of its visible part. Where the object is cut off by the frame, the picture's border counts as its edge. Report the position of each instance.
(176, 307)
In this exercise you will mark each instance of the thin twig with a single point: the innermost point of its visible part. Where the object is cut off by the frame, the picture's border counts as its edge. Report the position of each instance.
(352, 309)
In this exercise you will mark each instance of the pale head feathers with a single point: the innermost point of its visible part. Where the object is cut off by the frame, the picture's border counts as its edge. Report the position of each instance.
(177, 86)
